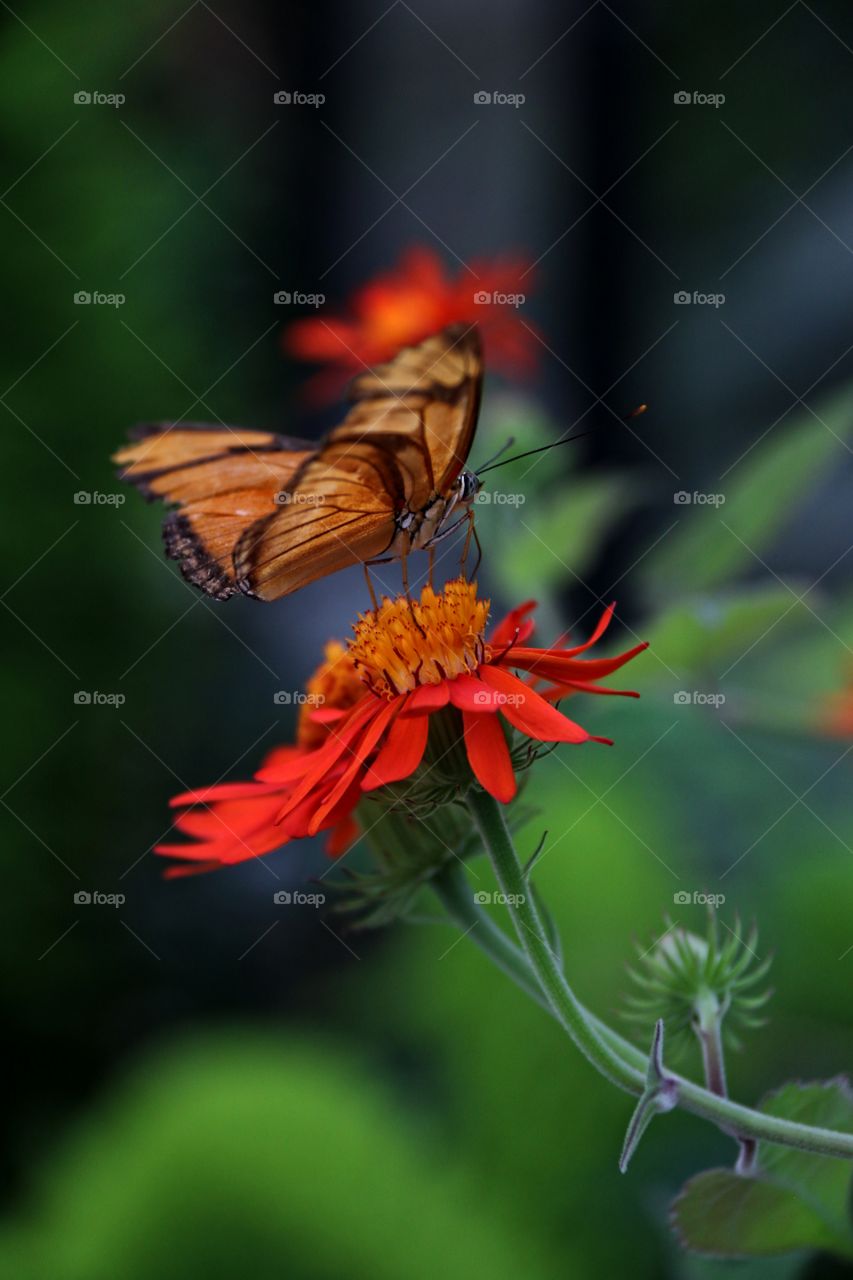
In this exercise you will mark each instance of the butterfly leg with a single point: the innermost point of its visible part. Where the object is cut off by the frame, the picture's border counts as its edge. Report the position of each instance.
(479, 549)
(466, 548)
(404, 571)
(431, 564)
(370, 588)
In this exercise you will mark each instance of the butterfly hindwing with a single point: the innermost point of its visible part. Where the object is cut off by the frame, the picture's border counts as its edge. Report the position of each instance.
(222, 479)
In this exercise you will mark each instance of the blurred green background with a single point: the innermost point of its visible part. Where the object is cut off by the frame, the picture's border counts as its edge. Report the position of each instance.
(203, 1084)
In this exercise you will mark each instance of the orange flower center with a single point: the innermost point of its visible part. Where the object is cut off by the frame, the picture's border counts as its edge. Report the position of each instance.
(406, 643)
(335, 685)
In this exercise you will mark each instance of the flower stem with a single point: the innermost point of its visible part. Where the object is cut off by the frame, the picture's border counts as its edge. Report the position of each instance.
(609, 1053)
(709, 1032)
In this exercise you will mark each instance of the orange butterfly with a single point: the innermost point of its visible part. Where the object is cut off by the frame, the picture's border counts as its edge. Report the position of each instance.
(265, 514)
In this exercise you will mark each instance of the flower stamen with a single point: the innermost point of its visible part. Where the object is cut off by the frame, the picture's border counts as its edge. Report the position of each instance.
(405, 643)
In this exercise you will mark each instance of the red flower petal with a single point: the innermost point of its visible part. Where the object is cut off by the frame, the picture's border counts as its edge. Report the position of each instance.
(427, 697)
(342, 836)
(549, 664)
(515, 628)
(372, 734)
(401, 752)
(316, 764)
(527, 711)
(470, 694)
(224, 791)
(578, 686)
(488, 754)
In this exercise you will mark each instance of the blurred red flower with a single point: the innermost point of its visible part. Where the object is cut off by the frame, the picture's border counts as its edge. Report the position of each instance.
(405, 305)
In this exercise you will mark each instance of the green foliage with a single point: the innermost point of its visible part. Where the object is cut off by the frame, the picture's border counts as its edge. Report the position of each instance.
(793, 1201)
(715, 544)
(706, 633)
(248, 1155)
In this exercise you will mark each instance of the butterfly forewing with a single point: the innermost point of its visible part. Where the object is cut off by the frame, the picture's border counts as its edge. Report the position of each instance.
(266, 514)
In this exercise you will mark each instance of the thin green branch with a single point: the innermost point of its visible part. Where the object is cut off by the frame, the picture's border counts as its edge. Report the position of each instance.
(611, 1055)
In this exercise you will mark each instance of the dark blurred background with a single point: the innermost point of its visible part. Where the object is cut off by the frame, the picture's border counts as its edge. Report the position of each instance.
(199, 1081)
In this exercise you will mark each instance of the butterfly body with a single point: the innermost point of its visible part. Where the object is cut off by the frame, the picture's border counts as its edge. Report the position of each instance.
(264, 514)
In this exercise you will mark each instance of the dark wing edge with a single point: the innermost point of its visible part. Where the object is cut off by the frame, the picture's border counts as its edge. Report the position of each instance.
(197, 566)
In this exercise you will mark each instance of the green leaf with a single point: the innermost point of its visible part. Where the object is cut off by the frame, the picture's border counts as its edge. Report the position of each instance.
(828, 1105)
(560, 532)
(703, 633)
(713, 543)
(795, 1200)
(725, 1215)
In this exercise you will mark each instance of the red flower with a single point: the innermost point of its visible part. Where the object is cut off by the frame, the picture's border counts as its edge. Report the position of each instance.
(417, 659)
(406, 305)
(407, 662)
(234, 821)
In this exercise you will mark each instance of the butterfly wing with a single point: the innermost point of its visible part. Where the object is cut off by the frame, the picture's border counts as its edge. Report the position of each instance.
(222, 479)
(403, 443)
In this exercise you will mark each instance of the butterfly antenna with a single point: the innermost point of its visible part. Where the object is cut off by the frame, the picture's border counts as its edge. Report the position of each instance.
(635, 413)
(510, 442)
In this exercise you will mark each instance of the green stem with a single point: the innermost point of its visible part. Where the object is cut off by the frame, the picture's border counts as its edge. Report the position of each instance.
(709, 1032)
(455, 894)
(609, 1053)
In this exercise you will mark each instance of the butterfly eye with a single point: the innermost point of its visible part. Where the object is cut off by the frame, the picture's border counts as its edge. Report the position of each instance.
(469, 486)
